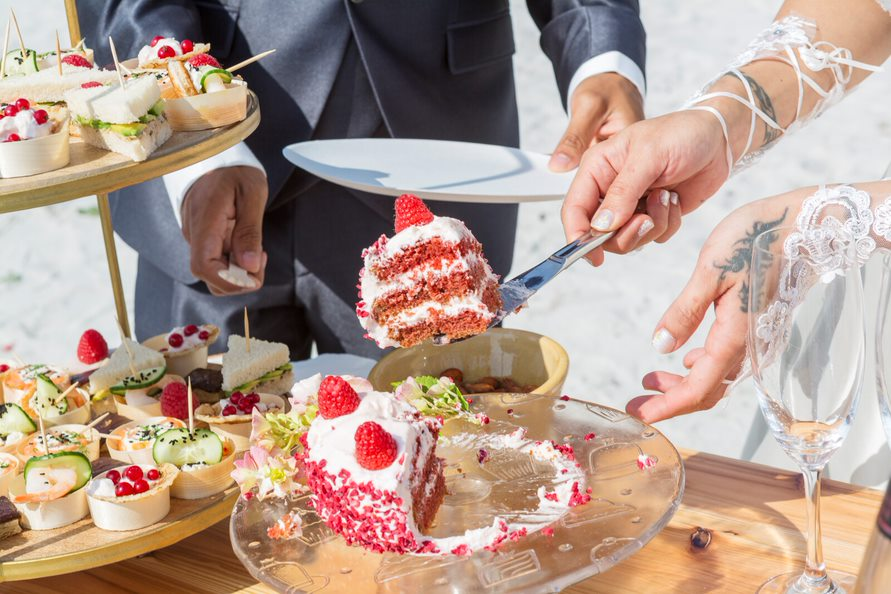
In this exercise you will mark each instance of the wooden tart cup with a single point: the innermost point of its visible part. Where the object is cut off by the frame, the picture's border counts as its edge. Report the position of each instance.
(136, 456)
(74, 416)
(46, 515)
(205, 481)
(183, 362)
(133, 512)
(35, 155)
(208, 110)
(8, 473)
(91, 450)
(236, 428)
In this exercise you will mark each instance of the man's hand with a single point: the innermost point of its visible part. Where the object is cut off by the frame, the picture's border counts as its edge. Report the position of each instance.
(683, 152)
(601, 106)
(720, 280)
(223, 220)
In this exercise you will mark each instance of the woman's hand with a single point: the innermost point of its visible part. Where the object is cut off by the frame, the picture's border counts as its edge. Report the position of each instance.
(684, 152)
(720, 279)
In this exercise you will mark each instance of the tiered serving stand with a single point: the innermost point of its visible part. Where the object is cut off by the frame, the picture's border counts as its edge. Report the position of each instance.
(82, 545)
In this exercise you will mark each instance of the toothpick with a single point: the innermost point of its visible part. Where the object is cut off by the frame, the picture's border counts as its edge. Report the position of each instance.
(67, 391)
(247, 331)
(18, 31)
(96, 421)
(42, 433)
(79, 45)
(18, 359)
(127, 348)
(191, 413)
(117, 65)
(106, 435)
(5, 48)
(58, 52)
(250, 60)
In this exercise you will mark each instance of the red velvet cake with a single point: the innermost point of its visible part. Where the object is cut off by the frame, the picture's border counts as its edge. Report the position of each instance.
(429, 279)
(371, 464)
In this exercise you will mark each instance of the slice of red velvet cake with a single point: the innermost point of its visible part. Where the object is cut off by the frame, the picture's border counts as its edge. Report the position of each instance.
(429, 279)
(371, 464)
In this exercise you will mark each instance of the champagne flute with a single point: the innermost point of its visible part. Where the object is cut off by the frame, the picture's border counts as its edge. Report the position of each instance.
(883, 345)
(806, 340)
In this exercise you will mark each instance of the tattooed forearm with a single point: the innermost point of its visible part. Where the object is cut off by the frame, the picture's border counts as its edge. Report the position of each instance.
(741, 258)
(766, 105)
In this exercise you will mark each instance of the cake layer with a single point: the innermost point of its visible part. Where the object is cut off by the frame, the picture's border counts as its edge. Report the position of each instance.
(427, 251)
(438, 287)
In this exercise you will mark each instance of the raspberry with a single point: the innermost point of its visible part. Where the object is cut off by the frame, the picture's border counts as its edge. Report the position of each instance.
(174, 401)
(76, 60)
(91, 84)
(203, 60)
(411, 210)
(336, 397)
(375, 448)
(92, 348)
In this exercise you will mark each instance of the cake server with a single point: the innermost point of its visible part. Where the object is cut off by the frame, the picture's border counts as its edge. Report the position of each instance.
(518, 290)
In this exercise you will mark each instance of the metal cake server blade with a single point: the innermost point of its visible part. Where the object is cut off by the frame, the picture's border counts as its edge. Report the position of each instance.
(518, 290)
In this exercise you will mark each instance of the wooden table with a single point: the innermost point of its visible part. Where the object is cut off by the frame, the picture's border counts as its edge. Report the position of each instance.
(756, 516)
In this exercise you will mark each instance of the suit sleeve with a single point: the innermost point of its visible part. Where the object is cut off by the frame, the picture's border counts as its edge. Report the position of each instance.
(575, 31)
(133, 23)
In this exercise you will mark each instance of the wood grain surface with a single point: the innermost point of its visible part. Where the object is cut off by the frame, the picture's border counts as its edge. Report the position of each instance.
(755, 514)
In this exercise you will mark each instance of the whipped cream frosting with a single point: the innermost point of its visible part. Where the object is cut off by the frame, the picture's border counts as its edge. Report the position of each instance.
(24, 124)
(149, 54)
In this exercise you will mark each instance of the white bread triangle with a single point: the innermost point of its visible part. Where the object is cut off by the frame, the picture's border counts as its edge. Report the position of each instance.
(47, 86)
(115, 105)
(137, 148)
(240, 367)
(118, 365)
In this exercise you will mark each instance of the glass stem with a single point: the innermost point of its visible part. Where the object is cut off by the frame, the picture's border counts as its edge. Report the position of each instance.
(814, 578)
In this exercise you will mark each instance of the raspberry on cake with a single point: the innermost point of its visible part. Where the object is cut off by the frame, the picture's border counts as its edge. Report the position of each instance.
(429, 279)
(373, 470)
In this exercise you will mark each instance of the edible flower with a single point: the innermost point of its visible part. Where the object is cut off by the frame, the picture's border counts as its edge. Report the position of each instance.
(271, 472)
(433, 396)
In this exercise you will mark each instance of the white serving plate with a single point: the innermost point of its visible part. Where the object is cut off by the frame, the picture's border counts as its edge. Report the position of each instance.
(432, 169)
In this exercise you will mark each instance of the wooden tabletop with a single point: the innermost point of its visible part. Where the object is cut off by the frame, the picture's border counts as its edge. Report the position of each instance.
(755, 514)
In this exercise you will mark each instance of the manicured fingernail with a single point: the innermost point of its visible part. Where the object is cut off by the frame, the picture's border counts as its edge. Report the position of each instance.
(560, 160)
(664, 197)
(603, 220)
(663, 341)
(645, 227)
(674, 198)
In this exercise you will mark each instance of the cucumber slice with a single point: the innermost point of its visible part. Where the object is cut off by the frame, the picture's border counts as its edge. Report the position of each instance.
(16, 64)
(224, 75)
(46, 399)
(177, 447)
(74, 460)
(13, 419)
(143, 379)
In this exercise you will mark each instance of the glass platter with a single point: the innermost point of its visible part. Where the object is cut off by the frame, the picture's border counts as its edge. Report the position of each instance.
(630, 505)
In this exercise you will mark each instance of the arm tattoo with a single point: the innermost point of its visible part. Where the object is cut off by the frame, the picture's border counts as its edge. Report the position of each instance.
(766, 105)
(742, 255)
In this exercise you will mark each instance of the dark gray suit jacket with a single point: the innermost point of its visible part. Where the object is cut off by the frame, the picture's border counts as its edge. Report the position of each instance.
(440, 69)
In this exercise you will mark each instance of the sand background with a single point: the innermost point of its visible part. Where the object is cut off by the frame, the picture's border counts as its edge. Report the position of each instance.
(54, 284)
